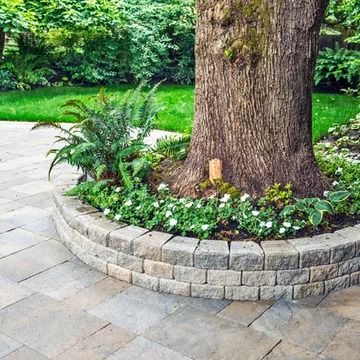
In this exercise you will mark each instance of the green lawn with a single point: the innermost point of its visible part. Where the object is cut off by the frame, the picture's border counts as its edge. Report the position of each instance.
(176, 103)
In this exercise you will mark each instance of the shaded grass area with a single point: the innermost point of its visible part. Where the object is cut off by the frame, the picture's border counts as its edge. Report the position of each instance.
(176, 102)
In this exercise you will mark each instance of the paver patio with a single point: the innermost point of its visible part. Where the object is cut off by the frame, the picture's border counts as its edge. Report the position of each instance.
(52, 306)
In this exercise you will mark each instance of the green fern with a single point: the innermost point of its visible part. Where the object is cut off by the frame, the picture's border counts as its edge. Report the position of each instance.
(175, 147)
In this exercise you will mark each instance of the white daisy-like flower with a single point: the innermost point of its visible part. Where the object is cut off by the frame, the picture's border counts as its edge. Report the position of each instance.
(117, 189)
(117, 217)
(262, 224)
(182, 200)
(156, 205)
(198, 206)
(245, 197)
(225, 198)
(128, 203)
(339, 171)
(296, 227)
(163, 186)
(204, 227)
(170, 206)
(173, 222)
(189, 205)
(282, 230)
(269, 224)
(222, 205)
(107, 212)
(256, 213)
(335, 183)
(287, 224)
(138, 208)
(326, 193)
(168, 214)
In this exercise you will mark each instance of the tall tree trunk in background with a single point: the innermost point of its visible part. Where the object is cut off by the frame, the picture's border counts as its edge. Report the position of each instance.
(2, 43)
(254, 77)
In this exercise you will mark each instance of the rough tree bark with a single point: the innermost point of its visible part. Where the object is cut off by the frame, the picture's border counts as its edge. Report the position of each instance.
(254, 76)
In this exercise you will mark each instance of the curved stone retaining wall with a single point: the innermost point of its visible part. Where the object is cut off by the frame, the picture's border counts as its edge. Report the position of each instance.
(210, 268)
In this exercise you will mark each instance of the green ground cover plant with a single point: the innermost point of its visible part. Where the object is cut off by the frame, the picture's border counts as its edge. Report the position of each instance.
(176, 103)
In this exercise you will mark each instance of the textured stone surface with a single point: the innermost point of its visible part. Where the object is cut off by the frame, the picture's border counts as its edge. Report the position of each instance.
(324, 272)
(140, 309)
(311, 253)
(25, 353)
(189, 275)
(276, 292)
(305, 290)
(352, 233)
(207, 291)
(349, 266)
(342, 248)
(122, 239)
(39, 322)
(286, 350)
(98, 231)
(280, 255)
(180, 251)
(245, 312)
(11, 292)
(258, 278)
(119, 273)
(337, 284)
(246, 256)
(292, 277)
(159, 269)
(242, 293)
(145, 281)
(212, 254)
(223, 277)
(205, 337)
(98, 346)
(130, 262)
(7, 345)
(175, 287)
(311, 329)
(149, 246)
(144, 349)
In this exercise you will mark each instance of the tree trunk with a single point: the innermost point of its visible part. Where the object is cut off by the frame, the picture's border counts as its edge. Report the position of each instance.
(254, 77)
(2, 43)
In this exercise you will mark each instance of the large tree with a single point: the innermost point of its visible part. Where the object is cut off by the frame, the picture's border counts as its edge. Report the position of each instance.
(255, 62)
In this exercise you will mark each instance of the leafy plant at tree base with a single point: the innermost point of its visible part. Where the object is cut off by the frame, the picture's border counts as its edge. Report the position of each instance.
(107, 140)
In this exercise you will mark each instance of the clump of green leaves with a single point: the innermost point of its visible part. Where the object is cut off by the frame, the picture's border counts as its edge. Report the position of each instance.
(107, 140)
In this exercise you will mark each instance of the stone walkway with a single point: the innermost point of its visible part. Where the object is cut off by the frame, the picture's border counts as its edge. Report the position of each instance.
(54, 307)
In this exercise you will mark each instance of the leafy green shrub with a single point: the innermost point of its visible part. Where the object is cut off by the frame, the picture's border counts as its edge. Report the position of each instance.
(338, 68)
(7, 81)
(108, 139)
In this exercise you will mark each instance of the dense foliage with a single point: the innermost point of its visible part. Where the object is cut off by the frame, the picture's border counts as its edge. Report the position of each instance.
(108, 142)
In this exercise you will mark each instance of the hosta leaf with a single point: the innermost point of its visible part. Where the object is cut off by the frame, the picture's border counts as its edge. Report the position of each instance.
(325, 206)
(316, 218)
(338, 196)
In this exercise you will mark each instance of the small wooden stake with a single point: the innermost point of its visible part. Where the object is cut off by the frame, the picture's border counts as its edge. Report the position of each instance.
(215, 170)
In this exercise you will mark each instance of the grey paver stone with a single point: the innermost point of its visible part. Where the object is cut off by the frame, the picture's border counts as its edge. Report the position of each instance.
(337, 284)
(119, 273)
(312, 253)
(212, 254)
(175, 287)
(7, 345)
(312, 289)
(258, 278)
(145, 349)
(324, 272)
(189, 274)
(25, 353)
(159, 269)
(130, 262)
(11, 292)
(207, 291)
(145, 281)
(180, 251)
(342, 248)
(246, 256)
(276, 292)
(280, 255)
(349, 266)
(224, 277)
(148, 246)
(292, 277)
(247, 293)
(352, 233)
(122, 239)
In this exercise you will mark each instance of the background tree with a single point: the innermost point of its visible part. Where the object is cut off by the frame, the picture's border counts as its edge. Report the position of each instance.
(254, 76)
